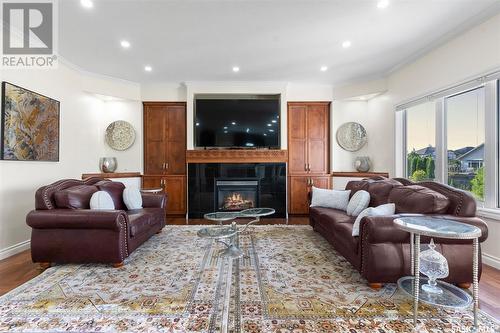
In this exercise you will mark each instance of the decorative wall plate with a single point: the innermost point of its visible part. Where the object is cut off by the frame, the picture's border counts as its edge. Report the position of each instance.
(351, 136)
(120, 135)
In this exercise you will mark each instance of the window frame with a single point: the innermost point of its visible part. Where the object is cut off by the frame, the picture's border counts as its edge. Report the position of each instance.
(492, 136)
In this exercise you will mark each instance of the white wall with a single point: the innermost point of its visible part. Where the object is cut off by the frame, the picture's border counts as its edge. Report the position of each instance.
(83, 118)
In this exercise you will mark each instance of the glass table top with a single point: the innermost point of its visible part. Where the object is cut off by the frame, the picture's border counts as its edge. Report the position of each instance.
(217, 232)
(437, 227)
(227, 216)
(451, 297)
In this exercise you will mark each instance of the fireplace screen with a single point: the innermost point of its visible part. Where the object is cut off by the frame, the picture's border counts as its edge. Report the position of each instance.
(232, 195)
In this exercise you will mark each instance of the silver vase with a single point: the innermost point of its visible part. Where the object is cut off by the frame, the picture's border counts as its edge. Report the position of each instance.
(362, 163)
(108, 164)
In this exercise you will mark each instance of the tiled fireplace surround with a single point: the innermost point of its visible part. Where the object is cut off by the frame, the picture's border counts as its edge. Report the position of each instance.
(269, 180)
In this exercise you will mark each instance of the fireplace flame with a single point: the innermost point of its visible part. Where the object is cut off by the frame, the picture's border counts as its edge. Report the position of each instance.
(235, 201)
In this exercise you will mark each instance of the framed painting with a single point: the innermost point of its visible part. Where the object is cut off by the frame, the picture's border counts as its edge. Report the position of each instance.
(30, 125)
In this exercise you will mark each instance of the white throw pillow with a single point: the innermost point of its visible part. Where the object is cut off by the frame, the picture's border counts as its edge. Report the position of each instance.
(359, 202)
(382, 210)
(132, 198)
(101, 200)
(330, 198)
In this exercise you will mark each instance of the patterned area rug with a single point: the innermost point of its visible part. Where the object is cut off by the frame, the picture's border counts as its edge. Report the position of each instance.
(290, 280)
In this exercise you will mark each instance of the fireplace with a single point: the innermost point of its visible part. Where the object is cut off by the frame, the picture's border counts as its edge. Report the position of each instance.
(236, 195)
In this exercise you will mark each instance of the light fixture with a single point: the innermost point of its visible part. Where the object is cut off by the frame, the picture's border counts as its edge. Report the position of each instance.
(273, 121)
(346, 44)
(225, 132)
(271, 130)
(225, 127)
(269, 125)
(233, 123)
(382, 4)
(125, 44)
(197, 124)
(248, 130)
(148, 68)
(236, 69)
(265, 134)
(323, 68)
(87, 3)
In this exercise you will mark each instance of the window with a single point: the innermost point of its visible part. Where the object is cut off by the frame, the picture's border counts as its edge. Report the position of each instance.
(465, 137)
(452, 136)
(421, 141)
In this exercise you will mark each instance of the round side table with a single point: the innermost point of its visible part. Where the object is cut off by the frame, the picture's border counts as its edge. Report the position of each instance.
(452, 296)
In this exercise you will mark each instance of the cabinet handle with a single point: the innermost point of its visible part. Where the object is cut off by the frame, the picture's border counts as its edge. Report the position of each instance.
(305, 166)
(166, 165)
(312, 182)
(308, 167)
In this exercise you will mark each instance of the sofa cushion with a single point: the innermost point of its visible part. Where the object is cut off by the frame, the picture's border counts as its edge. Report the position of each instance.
(75, 197)
(115, 190)
(344, 238)
(141, 220)
(379, 189)
(358, 202)
(132, 198)
(334, 216)
(329, 198)
(101, 200)
(385, 209)
(418, 199)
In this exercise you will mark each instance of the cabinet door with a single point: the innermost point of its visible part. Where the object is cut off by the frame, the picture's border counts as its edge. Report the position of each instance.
(298, 192)
(154, 139)
(175, 187)
(151, 182)
(317, 138)
(320, 182)
(297, 139)
(176, 140)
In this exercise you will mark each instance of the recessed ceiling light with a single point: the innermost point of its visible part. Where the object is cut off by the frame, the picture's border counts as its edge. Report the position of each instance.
(382, 4)
(197, 124)
(225, 127)
(271, 130)
(148, 68)
(269, 125)
(346, 44)
(233, 123)
(265, 134)
(273, 121)
(125, 44)
(323, 68)
(236, 69)
(87, 3)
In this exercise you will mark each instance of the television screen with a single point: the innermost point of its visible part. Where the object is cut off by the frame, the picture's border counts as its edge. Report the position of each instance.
(241, 122)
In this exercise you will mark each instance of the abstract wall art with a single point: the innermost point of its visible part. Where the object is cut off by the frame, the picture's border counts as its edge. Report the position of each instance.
(30, 125)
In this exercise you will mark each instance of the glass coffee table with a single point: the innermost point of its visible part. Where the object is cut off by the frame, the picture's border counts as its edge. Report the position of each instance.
(227, 229)
(450, 296)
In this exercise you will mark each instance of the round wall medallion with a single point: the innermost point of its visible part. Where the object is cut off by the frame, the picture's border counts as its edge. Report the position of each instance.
(120, 135)
(351, 136)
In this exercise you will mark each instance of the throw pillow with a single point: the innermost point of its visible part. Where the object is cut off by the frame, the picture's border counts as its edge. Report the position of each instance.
(132, 198)
(330, 198)
(101, 200)
(359, 202)
(382, 210)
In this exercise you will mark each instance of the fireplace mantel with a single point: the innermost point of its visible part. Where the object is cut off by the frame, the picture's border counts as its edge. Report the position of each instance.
(237, 156)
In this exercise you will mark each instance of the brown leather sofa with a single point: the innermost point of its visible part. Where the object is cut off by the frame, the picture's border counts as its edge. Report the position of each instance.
(382, 253)
(66, 230)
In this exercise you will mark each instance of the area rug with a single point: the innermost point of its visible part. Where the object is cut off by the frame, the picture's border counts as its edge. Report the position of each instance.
(290, 280)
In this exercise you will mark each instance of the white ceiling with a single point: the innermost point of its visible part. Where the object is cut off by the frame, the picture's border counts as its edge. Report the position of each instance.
(273, 40)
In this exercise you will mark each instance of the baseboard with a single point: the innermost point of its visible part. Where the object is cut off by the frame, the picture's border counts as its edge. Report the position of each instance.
(14, 249)
(491, 260)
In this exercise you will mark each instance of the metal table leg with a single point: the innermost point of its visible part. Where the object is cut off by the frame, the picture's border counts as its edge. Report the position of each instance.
(475, 284)
(416, 285)
(412, 253)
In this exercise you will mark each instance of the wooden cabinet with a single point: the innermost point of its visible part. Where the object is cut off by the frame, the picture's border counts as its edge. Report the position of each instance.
(308, 151)
(308, 137)
(174, 187)
(164, 138)
(165, 152)
(299, 188)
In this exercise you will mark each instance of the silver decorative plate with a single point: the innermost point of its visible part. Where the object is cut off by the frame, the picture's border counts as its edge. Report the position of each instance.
(351, 136)
(120, 135)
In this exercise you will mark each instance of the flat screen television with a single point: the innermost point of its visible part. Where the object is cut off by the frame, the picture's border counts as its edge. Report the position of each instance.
(239, 122)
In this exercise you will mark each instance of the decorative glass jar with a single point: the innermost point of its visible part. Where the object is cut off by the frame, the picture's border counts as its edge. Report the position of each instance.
(434, 265)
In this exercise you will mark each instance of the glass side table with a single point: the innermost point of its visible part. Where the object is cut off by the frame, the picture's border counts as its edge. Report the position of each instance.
(223, 232)
(451, 297)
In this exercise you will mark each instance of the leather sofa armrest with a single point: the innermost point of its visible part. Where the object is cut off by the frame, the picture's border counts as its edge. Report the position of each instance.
(76, 219)
(154, 200)
(381, 229)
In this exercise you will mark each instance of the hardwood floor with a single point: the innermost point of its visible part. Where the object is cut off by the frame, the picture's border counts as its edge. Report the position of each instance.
(19, 269)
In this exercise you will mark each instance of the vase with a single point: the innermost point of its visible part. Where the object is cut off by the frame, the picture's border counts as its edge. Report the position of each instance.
(435, 266)
(108, 164)
(362, 163)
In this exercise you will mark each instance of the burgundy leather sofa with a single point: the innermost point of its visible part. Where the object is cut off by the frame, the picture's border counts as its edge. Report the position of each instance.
(382, 253)
(66, 230)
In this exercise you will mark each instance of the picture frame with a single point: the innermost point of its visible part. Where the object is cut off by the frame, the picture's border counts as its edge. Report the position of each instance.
(30, 125)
